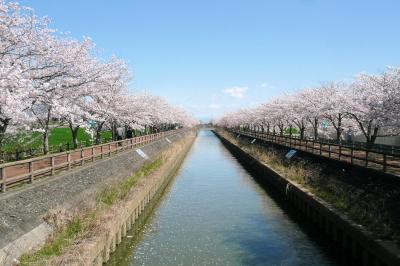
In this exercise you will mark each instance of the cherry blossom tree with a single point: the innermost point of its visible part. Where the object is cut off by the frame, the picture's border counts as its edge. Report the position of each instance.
(371, 104)
(20, 30)
(14, 88)
(144, 111)
(107, 95)
(56, 76)
(335, 99)
(48, 79)
(374, 104)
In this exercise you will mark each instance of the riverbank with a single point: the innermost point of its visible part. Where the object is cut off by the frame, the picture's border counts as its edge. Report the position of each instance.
(72, 198)
(298, 181)
(215, 213)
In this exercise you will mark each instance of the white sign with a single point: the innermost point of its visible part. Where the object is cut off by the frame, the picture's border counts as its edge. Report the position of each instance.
(167, 139)
(254, 140)
(290, 154)
(142, 154)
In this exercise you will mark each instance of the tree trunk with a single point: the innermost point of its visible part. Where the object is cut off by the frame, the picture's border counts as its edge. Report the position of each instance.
(46, 141)
(74, 132)
(114, 130)
(339, 129)
(98, 132)
(302, 129)
(3, 127)
(371, 140)
(46, 132)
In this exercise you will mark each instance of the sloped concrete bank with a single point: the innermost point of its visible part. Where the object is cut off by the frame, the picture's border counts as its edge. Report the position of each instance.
(22, 227)
(115, 224)
(361, 246)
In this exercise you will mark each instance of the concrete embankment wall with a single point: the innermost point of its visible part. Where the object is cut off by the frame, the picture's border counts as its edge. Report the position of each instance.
(96, 251)
(362, 247)
(26, 230)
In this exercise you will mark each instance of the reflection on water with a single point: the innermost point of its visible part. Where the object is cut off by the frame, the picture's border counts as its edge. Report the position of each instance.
(214, 213)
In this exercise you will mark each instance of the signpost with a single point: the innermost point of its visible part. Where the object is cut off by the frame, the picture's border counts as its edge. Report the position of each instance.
(142, 154)
(290, 154)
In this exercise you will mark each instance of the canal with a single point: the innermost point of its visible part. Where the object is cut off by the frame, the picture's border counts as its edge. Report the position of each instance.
(215, 213)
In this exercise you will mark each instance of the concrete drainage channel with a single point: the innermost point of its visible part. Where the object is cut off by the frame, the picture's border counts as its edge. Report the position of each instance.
(358, 245)
(71, 188)
(134, 214)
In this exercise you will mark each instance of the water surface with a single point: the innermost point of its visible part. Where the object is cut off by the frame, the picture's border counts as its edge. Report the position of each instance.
(214, 213)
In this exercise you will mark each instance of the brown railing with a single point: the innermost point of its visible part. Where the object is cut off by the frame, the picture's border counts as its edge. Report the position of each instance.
(26, 171)
(388, 163)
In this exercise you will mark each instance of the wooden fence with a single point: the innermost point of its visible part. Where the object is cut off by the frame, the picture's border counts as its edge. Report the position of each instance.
(26, 171)
(18, 155)
(382, 161)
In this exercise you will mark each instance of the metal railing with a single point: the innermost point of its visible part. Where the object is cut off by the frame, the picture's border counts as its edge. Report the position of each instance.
(388, 162)
(26, 171)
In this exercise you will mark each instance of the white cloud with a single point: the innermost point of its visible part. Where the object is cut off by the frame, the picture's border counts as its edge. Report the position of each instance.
(236, 92)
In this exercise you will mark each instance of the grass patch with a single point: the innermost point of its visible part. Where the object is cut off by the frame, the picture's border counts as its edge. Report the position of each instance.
(332, 198)
(114, 194)
(58, 136)
(56, 245)
(81, 225)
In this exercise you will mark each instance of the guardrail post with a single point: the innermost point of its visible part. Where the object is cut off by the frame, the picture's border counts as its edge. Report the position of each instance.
(52, 165)
(340, 151)
(366, 158)
(109, 149)
(101, 151)
(3, 179)
(93, 153)
(320, 148)
(30, 169)
(329, 152)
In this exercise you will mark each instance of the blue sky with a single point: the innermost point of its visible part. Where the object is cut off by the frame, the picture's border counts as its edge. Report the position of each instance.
(212, 56)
